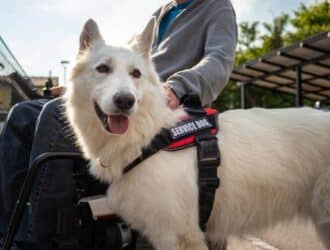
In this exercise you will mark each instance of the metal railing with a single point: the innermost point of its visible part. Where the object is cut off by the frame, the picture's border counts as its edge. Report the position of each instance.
(8, 62)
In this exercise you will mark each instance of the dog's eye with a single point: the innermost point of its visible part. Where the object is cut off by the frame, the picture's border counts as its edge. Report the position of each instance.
(136, 73)
(103, 68)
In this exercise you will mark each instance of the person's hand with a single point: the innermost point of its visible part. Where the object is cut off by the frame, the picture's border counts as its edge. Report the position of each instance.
(172, 101)
(57, 91)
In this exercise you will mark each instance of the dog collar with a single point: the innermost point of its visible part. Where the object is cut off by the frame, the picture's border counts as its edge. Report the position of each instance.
(103, 165)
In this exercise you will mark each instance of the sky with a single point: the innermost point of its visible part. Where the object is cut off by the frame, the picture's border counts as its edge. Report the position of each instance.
(42, 33)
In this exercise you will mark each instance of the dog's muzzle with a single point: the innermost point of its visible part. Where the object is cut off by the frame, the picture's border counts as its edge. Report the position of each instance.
(115, 124)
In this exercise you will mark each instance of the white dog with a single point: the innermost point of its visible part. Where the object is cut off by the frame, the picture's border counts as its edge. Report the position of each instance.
(275, 163)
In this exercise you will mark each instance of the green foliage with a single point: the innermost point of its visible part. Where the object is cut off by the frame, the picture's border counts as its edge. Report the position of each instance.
(229, 98)
(248, 35)
(284, 30)
(309, 20)
(259, 97)
(274, 39)
(247, 42)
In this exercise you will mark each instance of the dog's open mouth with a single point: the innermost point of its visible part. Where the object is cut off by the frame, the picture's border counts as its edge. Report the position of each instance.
(116, 124)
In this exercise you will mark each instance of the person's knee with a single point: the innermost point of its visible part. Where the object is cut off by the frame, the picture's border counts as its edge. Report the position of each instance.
(52, 110)
(52, 122)
(24, 113)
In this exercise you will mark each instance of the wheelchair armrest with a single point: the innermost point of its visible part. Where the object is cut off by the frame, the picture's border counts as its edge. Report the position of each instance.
(98, 206)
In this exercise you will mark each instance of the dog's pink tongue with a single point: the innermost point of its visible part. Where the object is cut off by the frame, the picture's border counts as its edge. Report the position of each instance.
(118, 124)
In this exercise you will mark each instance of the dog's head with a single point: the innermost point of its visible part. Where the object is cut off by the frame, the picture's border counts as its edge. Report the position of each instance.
(113, 80)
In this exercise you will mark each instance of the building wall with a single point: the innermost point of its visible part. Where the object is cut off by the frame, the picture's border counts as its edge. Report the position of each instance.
(10, 94)
(40, 81)
(8, 97)
(5, 97)
(5, 101)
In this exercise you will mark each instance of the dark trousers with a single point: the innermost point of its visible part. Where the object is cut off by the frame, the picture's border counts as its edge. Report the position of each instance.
(32, 128)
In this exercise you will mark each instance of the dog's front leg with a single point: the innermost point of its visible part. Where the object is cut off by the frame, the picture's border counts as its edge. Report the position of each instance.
(166, 241)
(191, 240)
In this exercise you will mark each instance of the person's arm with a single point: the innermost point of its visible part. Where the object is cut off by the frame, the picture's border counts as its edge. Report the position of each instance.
(209, 77)
(57, 91)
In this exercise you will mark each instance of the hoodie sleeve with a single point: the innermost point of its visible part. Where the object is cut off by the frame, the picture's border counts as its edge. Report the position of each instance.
(211, 74)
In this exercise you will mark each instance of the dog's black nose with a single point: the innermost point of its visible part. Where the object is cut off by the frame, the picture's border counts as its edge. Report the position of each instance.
(124, 100)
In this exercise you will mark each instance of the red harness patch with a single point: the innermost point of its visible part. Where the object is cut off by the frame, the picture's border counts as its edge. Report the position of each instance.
(211, 116)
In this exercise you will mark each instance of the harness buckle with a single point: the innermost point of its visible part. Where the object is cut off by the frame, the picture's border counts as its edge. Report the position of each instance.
(208, 160)
(208, 152)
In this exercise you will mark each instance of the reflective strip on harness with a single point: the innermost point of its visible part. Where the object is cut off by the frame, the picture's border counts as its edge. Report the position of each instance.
(184, 133)
(188, 127)
(188, 141)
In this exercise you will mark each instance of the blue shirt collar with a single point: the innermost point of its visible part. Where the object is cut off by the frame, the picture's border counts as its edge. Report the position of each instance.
(183, 5)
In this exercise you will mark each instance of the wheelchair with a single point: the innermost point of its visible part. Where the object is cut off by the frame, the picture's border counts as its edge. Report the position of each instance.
(90, 225)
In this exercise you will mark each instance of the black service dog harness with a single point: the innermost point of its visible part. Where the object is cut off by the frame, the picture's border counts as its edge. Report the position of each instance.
(198, 129)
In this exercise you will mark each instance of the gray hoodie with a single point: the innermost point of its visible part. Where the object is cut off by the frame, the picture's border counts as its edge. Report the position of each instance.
(197, 52)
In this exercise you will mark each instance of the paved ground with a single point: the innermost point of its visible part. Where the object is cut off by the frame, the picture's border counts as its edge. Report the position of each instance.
(297, 236)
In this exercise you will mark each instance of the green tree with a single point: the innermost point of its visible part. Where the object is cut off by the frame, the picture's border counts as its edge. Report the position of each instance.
(274, 39)
(309, 20)
(306, 21)
(248, 35)
(247, 42)
(229, 98)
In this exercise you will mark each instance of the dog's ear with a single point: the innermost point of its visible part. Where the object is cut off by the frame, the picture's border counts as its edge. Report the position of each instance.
(89, 35)
(143, 42)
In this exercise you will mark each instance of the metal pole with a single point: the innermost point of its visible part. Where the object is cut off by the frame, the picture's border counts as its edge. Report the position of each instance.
(64, 76)
(299, 99)
(243, 95)
(64, 64)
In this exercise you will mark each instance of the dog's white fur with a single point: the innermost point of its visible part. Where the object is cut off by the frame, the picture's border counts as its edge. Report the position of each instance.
(275, 163)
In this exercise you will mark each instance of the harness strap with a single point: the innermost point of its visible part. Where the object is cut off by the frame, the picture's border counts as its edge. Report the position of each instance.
(208, 160)
(160, 141)
(208, 156)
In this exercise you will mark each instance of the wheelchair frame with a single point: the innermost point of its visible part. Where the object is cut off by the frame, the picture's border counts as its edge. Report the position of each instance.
(26, 190)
